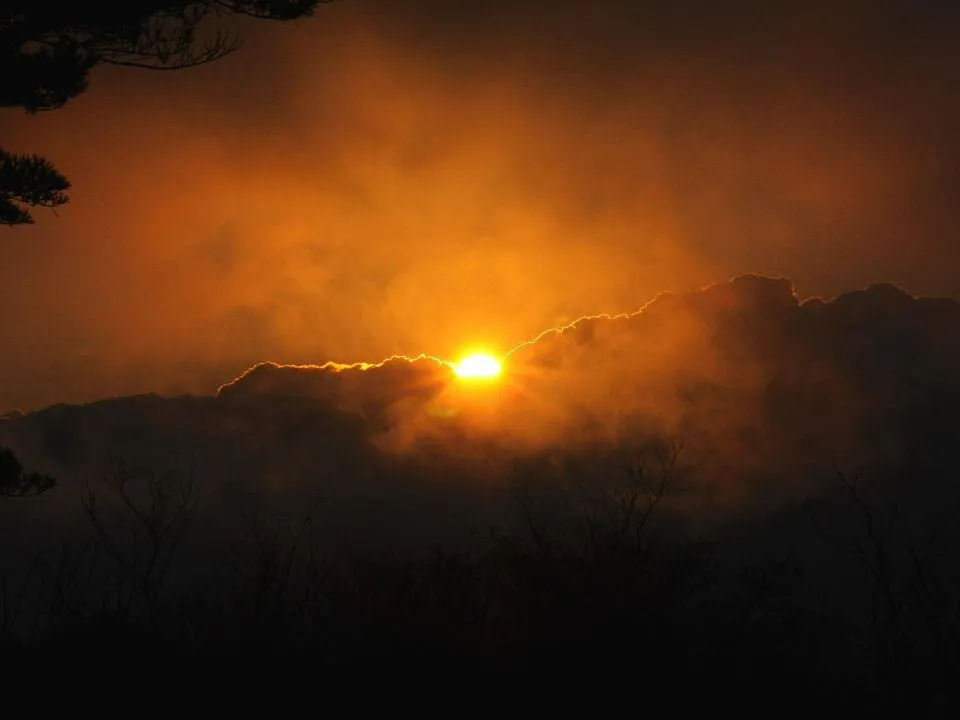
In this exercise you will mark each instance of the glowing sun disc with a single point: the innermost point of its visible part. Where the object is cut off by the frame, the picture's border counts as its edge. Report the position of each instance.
(478, 366)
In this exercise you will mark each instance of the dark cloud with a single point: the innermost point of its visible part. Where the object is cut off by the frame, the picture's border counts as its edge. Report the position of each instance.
(367, 389)
(766, 391)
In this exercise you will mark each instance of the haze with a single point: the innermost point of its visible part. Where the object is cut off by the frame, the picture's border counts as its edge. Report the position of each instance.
(427, 177)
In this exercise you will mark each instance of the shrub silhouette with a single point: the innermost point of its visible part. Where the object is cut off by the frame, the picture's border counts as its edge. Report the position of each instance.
(16, 482)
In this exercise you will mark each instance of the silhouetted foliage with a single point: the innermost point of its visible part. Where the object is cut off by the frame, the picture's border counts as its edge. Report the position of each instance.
(911, 603)
(16, 482)
(578, 598)
(49, 47)
(28, 181)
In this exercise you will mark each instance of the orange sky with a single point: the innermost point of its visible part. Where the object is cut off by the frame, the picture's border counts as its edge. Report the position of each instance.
(384, 180)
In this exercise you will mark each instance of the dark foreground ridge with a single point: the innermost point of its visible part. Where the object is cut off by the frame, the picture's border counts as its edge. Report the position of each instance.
(728, 488)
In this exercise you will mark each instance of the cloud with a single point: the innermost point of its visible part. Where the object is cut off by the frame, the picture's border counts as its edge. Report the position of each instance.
(421, 177)
(767, 392)
(364, 388)
(701, 361)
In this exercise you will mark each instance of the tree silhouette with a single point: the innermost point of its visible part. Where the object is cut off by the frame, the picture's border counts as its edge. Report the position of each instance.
(15, 482)
(49, 47)
(158, 508)
(28, 181)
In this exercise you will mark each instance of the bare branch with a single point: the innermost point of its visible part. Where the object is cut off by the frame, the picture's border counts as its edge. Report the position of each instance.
(160, 516)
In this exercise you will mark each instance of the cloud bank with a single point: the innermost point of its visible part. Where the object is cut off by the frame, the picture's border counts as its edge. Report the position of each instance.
(767, 392)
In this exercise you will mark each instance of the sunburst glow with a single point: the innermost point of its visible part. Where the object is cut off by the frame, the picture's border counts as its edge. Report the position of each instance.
(478, 365)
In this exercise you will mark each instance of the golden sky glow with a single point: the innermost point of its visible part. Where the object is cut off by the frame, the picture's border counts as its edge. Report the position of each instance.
(389, 178)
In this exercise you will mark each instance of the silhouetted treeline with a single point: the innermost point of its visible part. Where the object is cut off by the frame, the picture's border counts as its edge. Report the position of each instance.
(598, 586)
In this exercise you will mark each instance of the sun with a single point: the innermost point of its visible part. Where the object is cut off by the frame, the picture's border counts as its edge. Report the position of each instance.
(478, 365)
